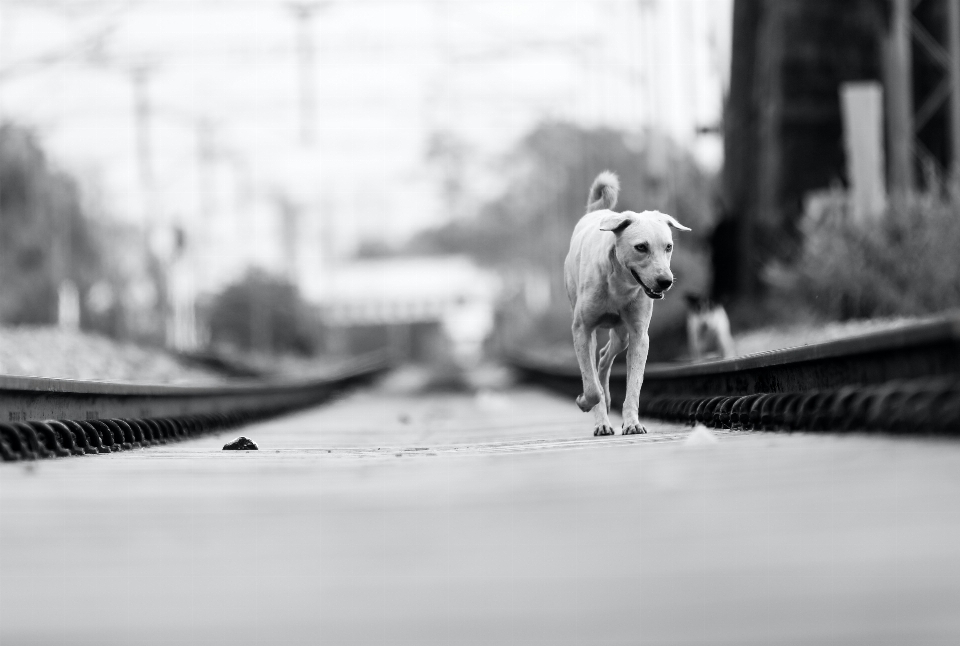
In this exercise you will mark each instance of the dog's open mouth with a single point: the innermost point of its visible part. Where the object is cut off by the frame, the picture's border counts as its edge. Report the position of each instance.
(646, 290)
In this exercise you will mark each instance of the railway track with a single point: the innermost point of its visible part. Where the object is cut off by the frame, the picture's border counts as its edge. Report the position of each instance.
(45, 418)
(905, 380)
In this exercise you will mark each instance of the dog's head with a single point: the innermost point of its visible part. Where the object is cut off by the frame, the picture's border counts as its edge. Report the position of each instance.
(697, 304)
(644, 247)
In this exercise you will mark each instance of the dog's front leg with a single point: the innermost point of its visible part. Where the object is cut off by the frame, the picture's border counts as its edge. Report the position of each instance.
(636, 364)
(585, 345)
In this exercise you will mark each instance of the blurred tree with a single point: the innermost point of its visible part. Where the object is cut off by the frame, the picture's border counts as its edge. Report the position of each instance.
(553, 167)
(44, 236)
(262, 313)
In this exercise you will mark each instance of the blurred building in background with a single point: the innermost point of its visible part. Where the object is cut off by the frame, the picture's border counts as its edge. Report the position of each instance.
(421, 308)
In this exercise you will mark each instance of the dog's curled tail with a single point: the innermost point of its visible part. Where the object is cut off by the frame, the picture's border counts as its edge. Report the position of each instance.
(603, 193)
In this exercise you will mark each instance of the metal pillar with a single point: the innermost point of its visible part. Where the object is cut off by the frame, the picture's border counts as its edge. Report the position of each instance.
(899, 100)
(953, 46)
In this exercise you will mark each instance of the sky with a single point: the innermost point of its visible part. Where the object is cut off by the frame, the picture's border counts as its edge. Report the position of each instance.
(230, 137)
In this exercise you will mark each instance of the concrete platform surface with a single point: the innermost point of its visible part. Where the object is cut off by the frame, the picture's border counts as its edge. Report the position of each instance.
(491, 519)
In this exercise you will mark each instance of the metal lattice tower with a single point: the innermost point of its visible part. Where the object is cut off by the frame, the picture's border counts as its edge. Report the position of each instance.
(906, 120)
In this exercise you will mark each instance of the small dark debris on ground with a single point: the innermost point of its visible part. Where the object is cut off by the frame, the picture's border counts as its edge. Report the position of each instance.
(241, 444)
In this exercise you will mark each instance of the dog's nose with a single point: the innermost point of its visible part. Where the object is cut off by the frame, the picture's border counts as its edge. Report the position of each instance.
(664, 283)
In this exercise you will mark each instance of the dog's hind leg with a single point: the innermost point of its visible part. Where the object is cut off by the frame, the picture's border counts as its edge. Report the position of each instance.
(601, 412)
(616, 345)
(585, 344)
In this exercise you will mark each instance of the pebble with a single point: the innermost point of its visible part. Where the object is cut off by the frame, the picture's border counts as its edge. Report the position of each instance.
(241, 444)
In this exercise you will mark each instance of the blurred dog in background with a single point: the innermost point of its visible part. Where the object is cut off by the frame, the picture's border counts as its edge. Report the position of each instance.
(708, 329)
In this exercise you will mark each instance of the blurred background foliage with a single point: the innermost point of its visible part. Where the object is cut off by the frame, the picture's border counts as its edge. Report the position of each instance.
(44, 234)
(265, 314)
(51, 235)
(550, 172)
(904, 264)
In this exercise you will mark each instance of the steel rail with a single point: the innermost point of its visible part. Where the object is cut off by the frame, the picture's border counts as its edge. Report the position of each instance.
(43, 418)
(901, 380)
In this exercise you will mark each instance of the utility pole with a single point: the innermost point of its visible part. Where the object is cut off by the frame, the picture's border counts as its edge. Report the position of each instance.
(303, 13)
(140, 77)
(206, 201)
(178, 309)
(153, 230)
(206, 153)
(290, 231)
(648, 53)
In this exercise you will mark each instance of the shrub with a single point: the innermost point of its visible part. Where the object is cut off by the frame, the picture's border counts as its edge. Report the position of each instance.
(262, 313)
(45, 237)
(903, 264)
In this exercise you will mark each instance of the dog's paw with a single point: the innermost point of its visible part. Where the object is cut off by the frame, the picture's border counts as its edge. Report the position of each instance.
(587, 402)
(602, 429)
(634, 429)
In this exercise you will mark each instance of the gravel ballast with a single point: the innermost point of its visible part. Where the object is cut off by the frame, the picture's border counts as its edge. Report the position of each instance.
(30, 351)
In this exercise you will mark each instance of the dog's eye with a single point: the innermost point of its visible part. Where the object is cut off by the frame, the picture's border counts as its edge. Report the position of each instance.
(642, 247)
(669, 248)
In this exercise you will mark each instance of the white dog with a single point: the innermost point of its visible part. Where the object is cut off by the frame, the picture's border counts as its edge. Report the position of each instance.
(618, 264)
(708, 329)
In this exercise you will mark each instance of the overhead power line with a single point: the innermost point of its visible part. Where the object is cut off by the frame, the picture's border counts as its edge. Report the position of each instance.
(87, 48)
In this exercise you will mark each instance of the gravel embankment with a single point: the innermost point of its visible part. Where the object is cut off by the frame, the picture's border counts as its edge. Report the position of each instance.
(767, 339)
(65, 354)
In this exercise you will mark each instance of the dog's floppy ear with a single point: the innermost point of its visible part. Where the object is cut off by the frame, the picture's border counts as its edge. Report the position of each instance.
(615, 222)
(671, 221)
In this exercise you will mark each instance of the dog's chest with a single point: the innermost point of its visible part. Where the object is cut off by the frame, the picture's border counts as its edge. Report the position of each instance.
(608, 320)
